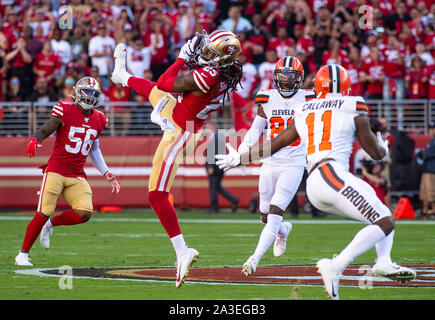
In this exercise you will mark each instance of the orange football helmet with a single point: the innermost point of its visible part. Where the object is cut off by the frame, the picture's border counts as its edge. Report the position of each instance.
(331, 78)
(288, 75)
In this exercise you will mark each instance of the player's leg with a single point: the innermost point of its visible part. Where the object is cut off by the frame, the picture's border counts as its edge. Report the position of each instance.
(226, 194)
(51, 188)
(345, 195)
(167, 158)
(266, 189)
(78, 194)
(286, 189)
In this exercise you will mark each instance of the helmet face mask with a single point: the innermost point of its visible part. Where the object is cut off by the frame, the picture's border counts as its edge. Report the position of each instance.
(287, 81)
(288, 76)
(87, 93)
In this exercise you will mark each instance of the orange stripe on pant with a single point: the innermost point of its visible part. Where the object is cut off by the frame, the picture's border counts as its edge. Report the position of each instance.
(330, 177)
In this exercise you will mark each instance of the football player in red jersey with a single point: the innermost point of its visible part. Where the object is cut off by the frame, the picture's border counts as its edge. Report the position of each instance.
(214, 71)
(77, 125)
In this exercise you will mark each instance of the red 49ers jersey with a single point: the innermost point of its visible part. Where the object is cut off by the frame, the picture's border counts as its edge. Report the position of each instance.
(74, 139)
(192, 110)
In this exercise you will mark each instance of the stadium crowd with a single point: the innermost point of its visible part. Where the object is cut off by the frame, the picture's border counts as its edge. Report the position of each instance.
(46, 45)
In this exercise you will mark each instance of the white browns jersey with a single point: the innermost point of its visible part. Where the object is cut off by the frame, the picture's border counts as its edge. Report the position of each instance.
(327, 129)
(280, 112)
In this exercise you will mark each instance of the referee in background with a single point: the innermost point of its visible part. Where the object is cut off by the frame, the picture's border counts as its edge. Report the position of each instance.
(215, 174)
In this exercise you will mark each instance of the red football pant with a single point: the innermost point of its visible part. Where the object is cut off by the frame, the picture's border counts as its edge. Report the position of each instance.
(33, 230)
(159, 201)
(142, 86)
(67, 218)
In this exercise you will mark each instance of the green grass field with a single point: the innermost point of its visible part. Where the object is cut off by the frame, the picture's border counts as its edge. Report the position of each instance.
(135, 238)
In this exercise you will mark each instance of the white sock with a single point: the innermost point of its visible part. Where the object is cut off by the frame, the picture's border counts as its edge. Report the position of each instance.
(282, 229)
(363, 241)
(383, 248)
(179, 244)
(48, 223)
(124, 77)
(268, 235)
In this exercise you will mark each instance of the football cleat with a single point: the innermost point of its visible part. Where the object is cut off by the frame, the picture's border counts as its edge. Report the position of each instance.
(329, 276)
(46, 232)
(281, 241)
(120, 74)
(22, 259)
(184, 264)
(249, 266)
(394, 272)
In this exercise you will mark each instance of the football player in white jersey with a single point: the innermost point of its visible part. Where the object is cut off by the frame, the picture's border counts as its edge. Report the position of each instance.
(281, 173)
(328, 126)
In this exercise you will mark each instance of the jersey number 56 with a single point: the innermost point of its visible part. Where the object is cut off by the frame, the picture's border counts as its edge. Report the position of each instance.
(80, 145)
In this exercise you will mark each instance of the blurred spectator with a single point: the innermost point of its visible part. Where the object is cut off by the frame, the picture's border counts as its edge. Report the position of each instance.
(235, 22)
(372, 73)
(258, 35)
(155, 37)
(61, 48)
(371, 172)
(46, 65)
(42, 95)
(353, 67)
(39, 20)
(250, 78)
(67, 92)
(415, 82)
(79, 43)
(20, 61)
(427, 185)
(396, 19)
(184, 21)
(138, 57)
(15, 117)
(420, 51)
(281, 43)
(320, 44)
(265, 70)
(395, 71)
(122, 113)
(101, 49)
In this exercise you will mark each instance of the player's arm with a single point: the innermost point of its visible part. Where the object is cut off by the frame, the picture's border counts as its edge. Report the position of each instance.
(262, 150)
(99, 163)
(254, 132)
(40, 135)
(269, 147)
(377, 149)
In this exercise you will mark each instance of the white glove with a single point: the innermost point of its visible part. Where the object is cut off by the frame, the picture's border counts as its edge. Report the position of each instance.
(228, 161)
(382, 142)
(185, 51)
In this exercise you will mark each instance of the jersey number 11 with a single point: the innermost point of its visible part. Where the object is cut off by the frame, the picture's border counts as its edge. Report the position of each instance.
(325, 144)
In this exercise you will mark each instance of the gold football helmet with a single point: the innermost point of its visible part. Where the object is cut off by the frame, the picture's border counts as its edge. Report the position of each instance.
(87, 93)
(218, 49)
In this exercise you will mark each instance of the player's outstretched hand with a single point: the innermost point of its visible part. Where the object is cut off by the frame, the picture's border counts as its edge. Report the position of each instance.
(382, 142)
(31, 147)
(116, 187)
(228, 161)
